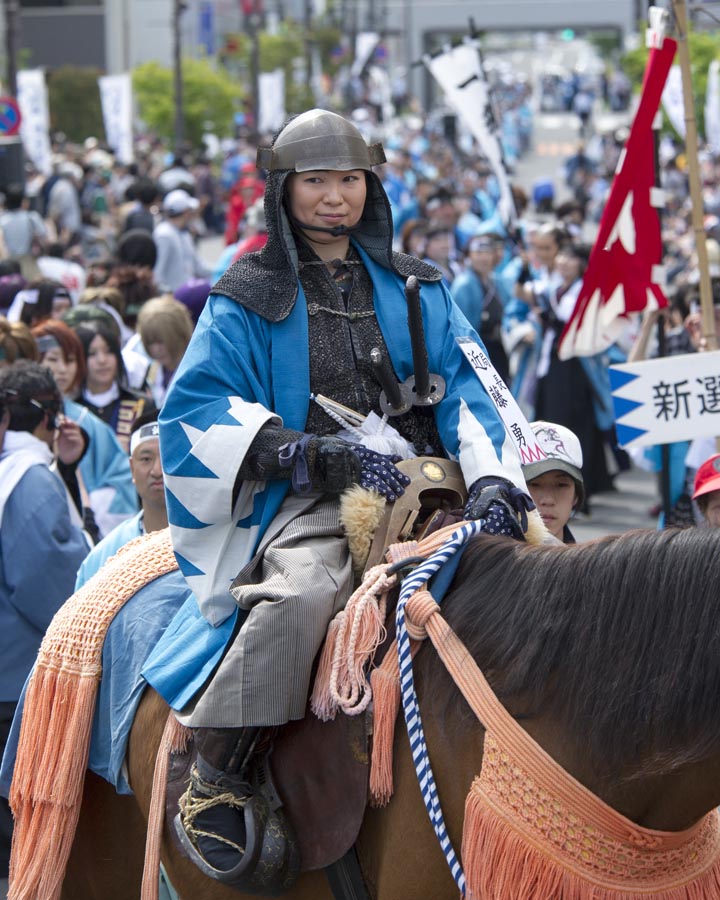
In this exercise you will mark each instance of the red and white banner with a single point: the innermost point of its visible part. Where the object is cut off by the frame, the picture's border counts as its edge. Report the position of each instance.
(624, 273)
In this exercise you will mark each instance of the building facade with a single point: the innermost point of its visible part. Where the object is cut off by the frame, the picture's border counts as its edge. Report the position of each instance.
(116, 35)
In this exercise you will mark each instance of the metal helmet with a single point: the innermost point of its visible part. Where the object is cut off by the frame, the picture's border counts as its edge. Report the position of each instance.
(318, 139)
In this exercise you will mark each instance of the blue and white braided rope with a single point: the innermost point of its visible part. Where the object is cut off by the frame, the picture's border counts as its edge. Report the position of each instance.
(417, 578)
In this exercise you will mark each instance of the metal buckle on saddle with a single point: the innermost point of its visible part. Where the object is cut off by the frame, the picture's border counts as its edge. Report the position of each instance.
(436, 484)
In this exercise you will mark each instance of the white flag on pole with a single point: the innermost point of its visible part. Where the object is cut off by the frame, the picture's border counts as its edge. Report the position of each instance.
(35, 125)
(672, 100)
(712, 107)
(365, 44)
(271, 95)
(459, 73)
(117, 109)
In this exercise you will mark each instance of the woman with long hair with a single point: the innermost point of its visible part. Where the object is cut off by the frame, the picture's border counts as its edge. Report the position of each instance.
(104, 467)
(104, 389)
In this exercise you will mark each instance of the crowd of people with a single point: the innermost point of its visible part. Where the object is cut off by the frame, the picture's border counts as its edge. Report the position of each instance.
(102, 292)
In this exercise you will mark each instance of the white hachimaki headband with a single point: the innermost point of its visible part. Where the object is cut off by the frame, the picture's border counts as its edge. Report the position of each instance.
(144, 433)
(22, 298)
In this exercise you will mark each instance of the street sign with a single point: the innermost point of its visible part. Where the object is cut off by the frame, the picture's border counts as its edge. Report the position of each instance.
(10, 117)
(659, 401)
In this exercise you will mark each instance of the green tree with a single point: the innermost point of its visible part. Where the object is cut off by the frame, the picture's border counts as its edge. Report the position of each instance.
(284, 50)
(703, 47)
(74, 101)
(210, 99)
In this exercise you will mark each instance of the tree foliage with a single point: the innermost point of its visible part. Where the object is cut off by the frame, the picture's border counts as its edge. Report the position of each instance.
(285, 50)
(74, 101)
(703, 47)
(210, 99)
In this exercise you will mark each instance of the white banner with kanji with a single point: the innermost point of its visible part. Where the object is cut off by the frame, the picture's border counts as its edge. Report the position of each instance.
(32, 99)
(660, 401)
(271, 97)
(117, 109)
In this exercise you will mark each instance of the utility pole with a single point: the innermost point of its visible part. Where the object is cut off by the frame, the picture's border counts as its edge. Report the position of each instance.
(253, 12)
(11, 45)
(307, 29)
(179, 8)
(691, 146)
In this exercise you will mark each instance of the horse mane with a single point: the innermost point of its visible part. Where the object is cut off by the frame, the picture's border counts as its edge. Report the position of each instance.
(618, 639)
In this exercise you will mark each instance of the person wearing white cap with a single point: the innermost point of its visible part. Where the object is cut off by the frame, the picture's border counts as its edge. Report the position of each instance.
(556, 482)
(177, 259)
(147, 476)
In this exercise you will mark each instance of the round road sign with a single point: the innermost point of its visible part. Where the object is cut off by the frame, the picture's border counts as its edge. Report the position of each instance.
(10, 117)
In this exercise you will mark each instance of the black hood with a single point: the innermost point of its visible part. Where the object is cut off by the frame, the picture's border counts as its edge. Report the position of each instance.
(266, 282)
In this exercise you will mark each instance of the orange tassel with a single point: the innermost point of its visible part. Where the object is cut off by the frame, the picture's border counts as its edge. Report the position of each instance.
(321, 701)
(174, 740)
(501, 864)
(47, 808)
(385, 683)
(370, 634)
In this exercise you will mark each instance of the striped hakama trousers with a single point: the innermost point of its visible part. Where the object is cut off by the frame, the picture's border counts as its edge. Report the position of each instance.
(291, 590)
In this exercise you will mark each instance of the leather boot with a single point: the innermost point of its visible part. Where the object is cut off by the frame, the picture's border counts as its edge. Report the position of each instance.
(212, 824)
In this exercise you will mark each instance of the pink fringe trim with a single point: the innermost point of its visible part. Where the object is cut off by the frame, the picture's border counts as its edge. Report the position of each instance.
(500, 865)
(46, 796)
(175, 739)
(386, 690)
(321, 702)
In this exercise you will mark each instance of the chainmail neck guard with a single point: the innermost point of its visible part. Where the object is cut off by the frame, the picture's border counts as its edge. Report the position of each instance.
(266, 282)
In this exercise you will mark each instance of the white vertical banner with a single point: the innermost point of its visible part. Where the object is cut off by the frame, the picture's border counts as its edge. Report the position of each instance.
(672, 100)
(117, 110)
(365, 44)
(32, 99)
(271, 95)
(460, 76)
(712, 107)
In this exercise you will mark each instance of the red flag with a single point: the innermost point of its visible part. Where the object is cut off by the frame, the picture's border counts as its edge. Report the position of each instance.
(623, 271)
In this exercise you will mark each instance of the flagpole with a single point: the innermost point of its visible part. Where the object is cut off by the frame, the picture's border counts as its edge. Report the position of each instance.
(691, 148)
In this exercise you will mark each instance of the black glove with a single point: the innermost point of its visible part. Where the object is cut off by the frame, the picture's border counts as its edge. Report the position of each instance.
(499, 502)
(331, 465)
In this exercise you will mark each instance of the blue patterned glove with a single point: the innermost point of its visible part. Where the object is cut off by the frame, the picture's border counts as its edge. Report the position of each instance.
(378, 473)
(499, 503)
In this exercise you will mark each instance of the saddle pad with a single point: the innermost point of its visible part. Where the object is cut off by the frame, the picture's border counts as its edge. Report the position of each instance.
(320, 770)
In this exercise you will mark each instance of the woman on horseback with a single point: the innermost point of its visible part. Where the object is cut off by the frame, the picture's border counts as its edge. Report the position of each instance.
(254, 466)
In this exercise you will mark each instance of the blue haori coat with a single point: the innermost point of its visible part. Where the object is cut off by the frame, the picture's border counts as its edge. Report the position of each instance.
(239, 373)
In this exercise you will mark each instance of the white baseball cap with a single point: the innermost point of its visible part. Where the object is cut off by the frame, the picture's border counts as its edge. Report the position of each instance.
(562, 450)
(176, 202)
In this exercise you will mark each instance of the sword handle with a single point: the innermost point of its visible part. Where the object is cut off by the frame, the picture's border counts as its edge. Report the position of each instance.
(386, 377)
(394, 399)
(417, 338)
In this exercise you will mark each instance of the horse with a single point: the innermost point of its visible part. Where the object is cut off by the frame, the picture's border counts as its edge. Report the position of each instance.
(607, 654)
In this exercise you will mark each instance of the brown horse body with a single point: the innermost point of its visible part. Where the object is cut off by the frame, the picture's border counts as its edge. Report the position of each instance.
(668, 783)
